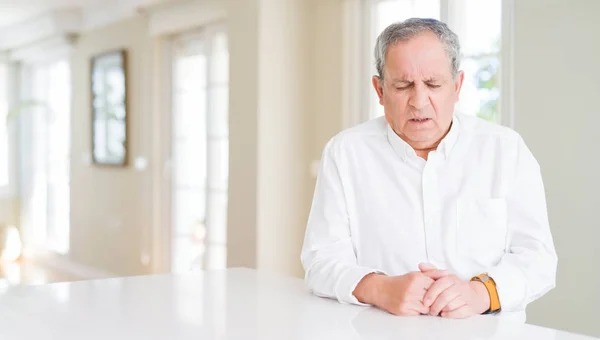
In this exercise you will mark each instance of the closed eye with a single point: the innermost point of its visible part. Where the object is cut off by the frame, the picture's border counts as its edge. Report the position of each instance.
(403, 87)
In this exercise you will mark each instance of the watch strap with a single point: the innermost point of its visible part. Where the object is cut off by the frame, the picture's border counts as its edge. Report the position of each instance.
(490, 285)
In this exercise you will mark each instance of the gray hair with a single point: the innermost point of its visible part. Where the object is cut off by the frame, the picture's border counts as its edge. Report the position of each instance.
(408, 29)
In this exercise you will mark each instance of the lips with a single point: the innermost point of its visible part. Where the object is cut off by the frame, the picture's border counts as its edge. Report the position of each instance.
(420, 120)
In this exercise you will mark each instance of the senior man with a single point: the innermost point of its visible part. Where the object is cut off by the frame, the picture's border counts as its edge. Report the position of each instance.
(427, 211)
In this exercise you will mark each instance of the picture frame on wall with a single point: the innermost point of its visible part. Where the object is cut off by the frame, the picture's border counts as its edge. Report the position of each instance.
(109, 108)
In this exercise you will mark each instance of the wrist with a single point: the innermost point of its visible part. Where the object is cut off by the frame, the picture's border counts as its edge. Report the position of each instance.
(369, 289)
(483, 296)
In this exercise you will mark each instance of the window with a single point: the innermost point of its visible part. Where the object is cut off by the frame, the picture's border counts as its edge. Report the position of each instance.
(200, 150)
(58, 166)
(45, 150)
(479, 33)
(4, 159)
(478, 25)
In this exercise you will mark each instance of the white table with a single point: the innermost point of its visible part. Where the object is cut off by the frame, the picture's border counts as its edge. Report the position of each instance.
(228, 304)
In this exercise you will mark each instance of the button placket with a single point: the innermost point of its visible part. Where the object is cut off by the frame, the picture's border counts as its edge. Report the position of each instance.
(431, 210)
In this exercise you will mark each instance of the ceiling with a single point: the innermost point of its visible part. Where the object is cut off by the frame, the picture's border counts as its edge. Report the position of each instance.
(16, 11)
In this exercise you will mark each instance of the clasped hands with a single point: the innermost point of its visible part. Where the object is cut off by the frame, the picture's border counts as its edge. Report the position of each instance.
(429, 291)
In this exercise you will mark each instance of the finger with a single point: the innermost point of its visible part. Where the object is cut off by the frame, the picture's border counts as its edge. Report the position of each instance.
(424, 284)
(424, 267)
(409, 312)
(410, 308)
(436, 289)
(436, 274)
(449, 295)
(454, 305)
(418, 307)
(460, 313)
(432, 271)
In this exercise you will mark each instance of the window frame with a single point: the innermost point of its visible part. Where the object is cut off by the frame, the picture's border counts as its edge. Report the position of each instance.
(166, 22)
(357, 89)
(204, 32)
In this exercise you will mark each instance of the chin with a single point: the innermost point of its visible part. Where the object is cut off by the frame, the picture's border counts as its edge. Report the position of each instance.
(421, 137)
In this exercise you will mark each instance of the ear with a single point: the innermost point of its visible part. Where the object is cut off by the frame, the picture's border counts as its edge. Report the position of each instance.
(378, 85)
(459, 83)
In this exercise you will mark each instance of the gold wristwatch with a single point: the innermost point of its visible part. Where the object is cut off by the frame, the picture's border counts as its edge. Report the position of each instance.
(490, 285)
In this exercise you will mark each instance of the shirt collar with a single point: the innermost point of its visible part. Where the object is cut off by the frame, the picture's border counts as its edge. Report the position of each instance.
(403, 150)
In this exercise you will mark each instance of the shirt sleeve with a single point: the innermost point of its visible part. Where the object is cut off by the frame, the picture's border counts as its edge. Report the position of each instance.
(528, 269)
(328, 254)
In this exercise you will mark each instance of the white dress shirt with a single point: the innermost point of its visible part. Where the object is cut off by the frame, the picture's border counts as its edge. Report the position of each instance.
(477, 205)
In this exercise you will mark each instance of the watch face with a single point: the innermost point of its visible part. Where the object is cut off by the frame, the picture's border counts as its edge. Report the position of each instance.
(481, 278)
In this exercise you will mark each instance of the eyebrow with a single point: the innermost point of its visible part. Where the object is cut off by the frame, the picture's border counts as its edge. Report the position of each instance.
(432, 79)
(401, 81)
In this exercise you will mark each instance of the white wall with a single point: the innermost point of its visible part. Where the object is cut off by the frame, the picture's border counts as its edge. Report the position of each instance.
(556, 110)
(270, 127)
(284, 133)
(242, 28)
(111, 207)
(327, 45)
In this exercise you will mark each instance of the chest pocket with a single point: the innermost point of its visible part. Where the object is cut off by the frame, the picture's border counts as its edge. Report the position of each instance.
(482, 227)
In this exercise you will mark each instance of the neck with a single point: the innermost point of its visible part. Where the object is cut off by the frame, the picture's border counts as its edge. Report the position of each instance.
(422, 149)
(425, 151)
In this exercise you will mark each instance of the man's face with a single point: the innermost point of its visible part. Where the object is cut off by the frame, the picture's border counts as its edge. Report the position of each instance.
(418, 92)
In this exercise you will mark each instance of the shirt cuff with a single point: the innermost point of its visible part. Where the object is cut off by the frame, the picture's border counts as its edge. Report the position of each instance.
(348, 282)
(511, 285)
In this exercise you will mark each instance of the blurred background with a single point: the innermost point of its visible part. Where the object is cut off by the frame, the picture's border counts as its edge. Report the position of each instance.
(149, 136)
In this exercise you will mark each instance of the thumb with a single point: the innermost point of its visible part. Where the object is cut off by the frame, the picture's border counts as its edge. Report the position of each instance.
(436, 274)
(424, 267)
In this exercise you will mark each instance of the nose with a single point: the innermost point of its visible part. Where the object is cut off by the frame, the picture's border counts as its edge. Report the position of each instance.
(419, 98)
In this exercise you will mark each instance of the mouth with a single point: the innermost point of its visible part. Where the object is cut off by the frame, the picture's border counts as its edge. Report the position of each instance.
(420, 120)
